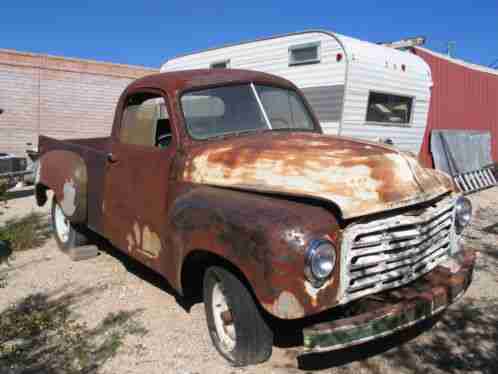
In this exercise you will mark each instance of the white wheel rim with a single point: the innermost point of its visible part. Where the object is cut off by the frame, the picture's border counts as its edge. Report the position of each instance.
(62, 225)
(226, 332)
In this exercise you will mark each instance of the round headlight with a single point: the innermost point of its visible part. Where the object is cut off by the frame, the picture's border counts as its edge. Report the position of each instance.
(463, 213)
(320, 261)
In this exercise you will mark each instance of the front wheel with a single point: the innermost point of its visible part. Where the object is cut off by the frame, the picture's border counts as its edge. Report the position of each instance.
(236, 326)
(67, 235)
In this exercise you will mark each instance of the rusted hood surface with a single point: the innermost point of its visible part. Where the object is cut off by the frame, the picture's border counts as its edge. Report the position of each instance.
(359, 177)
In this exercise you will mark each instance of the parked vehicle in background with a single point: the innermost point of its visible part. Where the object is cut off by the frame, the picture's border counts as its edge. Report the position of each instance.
(12, 170)
(223, 182)
(33, 155)
(356, 88)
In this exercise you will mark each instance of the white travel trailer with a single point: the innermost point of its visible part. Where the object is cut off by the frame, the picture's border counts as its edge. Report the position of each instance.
(357, 89)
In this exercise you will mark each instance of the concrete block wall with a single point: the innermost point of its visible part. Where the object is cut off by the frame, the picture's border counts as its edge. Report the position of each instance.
(57, 97)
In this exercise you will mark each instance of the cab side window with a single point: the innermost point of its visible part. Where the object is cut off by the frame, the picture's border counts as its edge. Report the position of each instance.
(145, 121)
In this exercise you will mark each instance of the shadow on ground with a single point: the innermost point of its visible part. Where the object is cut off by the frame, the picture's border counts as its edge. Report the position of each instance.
(26, 232)
(462, 339)
(41, 334)
(143, 272)
(19, 194)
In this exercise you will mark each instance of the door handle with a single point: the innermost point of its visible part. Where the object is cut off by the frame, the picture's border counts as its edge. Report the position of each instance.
(111, 158)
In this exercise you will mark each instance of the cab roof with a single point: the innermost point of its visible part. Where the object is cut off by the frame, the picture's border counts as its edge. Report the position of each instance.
(191, 79)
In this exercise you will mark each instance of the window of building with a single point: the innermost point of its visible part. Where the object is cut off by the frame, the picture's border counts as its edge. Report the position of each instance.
(304, 54)
(145, 121)
(225, 64)
(388, 108)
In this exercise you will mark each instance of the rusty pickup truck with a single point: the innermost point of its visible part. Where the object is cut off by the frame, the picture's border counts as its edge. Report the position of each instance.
(223, 182)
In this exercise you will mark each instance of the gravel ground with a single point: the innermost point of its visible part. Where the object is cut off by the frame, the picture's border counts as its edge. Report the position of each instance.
(158, 335)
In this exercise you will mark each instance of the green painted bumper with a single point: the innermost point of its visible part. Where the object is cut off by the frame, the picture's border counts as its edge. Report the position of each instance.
(398, 309)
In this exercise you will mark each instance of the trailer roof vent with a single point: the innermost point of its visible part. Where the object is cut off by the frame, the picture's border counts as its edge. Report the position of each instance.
(225, 64)
(308, 53)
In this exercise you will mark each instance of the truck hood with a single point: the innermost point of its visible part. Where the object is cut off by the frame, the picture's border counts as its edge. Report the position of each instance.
(359, 177)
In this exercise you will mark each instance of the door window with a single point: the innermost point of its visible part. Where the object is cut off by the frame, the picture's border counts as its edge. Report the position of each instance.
(145, 121)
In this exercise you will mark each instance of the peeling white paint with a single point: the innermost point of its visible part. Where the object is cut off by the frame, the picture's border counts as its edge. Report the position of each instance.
(68, 203)
(359, 183)
(288, 306)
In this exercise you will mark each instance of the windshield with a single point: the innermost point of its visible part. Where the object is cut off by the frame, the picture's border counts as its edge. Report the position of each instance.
(228, 110)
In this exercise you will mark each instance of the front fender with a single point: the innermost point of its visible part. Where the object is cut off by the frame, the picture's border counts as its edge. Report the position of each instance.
(65, 173)
(264, 236)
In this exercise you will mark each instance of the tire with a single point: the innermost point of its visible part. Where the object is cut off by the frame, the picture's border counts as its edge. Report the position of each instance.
(244, 338)
(67, 235)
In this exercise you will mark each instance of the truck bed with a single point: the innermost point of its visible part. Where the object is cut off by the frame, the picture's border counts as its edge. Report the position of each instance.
(101, 144)
(93, 151)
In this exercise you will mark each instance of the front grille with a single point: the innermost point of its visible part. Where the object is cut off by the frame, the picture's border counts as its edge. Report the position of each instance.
(391, 252)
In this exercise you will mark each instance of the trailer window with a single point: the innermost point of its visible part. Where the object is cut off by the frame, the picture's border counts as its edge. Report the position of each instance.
(387, 108)
(225, 64)
(304, 54)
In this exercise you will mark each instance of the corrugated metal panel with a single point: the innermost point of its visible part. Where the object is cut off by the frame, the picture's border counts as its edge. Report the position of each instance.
(272, 56)
(367, 71)
(377, 68)
(464, 97)
(326, 101)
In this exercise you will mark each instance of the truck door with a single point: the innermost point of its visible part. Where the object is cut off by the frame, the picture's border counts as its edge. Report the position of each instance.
(136, 189)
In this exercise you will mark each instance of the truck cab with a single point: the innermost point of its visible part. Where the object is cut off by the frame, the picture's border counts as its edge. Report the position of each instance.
(223, 182)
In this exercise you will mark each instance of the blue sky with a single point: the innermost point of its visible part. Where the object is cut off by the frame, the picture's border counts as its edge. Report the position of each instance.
(148, 32)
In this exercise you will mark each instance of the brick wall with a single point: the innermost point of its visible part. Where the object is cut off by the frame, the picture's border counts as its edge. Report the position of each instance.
(58, 97)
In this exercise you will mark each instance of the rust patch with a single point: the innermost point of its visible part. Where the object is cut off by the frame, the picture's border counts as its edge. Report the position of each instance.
(65, 173)
(361, 178)
(143, 240)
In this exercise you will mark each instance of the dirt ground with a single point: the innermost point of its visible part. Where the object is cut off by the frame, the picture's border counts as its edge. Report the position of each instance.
(137, 325)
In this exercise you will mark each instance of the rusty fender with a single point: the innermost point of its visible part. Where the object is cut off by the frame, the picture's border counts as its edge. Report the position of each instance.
(361, 178)
(264, 236)
(65, 173)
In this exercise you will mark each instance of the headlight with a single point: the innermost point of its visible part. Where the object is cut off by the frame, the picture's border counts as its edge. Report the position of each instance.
(319, 261)
(463, 213)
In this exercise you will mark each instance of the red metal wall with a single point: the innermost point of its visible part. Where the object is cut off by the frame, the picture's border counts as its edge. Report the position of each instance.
(462, 99)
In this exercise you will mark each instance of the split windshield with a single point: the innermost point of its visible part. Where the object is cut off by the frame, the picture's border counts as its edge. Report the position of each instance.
(244, 108)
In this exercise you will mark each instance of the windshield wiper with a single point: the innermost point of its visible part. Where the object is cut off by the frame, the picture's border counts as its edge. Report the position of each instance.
(234, 133)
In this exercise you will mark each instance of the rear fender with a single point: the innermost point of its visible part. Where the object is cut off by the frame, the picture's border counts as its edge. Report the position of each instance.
(65, 173)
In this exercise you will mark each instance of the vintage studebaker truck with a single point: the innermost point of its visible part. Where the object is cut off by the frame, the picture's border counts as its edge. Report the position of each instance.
(223, 182)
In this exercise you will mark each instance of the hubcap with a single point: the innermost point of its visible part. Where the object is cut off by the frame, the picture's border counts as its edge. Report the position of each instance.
(225, 328)
(62, 225)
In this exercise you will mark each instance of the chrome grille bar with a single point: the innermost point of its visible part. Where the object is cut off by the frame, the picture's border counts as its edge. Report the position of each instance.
(390, 252)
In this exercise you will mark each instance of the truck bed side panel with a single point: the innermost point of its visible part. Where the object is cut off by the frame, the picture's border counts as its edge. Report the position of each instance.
(58, 158)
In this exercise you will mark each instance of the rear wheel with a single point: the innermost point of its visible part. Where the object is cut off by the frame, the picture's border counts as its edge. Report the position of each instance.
(236, 326)
(67, 235)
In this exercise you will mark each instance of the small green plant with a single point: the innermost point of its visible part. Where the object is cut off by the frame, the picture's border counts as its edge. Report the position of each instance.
(41, 334)
(25, 233)
(5, 252)
(3, 282)
(3, 191)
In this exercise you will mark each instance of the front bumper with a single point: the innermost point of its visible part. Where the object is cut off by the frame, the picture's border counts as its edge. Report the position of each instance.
(385, 313)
